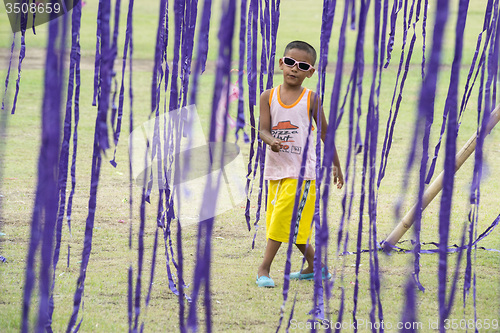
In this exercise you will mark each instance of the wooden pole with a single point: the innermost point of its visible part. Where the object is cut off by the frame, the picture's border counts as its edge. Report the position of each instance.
(436, 186)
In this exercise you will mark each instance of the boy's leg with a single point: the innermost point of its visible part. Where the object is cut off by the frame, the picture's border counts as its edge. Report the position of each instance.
(308, 252)
(272, 248)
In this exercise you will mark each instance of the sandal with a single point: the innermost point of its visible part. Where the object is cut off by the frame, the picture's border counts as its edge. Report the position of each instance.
(265, 281)
(325, 275)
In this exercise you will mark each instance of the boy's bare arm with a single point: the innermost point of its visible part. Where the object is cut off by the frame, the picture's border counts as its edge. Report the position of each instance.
(338, 177)
(265, 123)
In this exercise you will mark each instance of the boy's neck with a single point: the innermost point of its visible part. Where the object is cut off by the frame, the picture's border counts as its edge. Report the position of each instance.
(287, 87)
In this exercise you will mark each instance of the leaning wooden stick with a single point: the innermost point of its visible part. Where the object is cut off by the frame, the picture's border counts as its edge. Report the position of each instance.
(437, 184)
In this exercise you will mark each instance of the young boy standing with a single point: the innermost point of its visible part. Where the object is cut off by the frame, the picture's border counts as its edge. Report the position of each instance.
(285, 116)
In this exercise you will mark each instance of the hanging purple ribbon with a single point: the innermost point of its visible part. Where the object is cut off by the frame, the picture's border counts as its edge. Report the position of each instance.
(474, 195)
(321, 236)
(191, 11)
(409, 313)
(240, 120)
(98, 55)
(467, 90)
(275, 19)
(449, 164)
(8, 70)
(203, 255)
(424, 35)
(396, 7)
(426, 111)
(100, 144)
(392, 119)
(64, 154)
(252, 91)
(46, 200)
(298, 194)
(22, 54)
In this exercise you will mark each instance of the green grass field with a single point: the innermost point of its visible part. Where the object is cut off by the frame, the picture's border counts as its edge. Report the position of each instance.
(237, 304)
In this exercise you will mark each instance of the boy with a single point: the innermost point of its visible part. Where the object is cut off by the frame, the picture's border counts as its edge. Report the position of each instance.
(285, 115)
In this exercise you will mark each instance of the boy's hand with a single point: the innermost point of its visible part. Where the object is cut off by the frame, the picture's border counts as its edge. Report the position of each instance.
(276, 145)
(338, 177)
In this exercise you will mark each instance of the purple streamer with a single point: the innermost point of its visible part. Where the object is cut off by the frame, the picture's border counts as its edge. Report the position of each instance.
(394, 16)
(187, 46)
(202, 269)
(129, 46)
(252, 91)
(22, 54)
(321, 236)
(240, 119)
(467, 91)
(424, 35)
(64, 155)
(8, 70)
(425, 111)
(46, 200)
(449, 167)
(275, 18)
(409, 313)
(98, 55)
(288, 264)
(392, 120)
(173, 105)
(100, 144)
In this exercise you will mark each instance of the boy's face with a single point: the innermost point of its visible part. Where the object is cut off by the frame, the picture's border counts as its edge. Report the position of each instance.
(293, 76)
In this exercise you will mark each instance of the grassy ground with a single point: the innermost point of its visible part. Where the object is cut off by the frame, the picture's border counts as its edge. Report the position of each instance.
(237, 303)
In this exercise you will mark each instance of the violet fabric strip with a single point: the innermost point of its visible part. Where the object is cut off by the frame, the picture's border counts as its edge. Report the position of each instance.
(264, 34)
(261, 147)
(288, 263)
(114, 110)
(424, 36)
(105, 75)
(75, 134)
(425, 111)
(8, 70)
(240, 120)
(409, 313)
(371, 138)
(97, 62)
(100, 144)
(321, 236)
(202, 49)
(466, 93)
(202, 269)
(140, 253)
(22, 54)
(356, 76)
(173, 105)
(265, 27)
(392, 119)
(121, 96)
(156, 153)
(46, 199)
(129, 45)
(449, 164)
(474, 195)
(487, 29)
(191, 12)
(64, 154)
(396, 7)
(252, 91)
(275, 18)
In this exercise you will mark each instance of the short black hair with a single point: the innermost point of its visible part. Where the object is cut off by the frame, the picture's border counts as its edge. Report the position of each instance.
(298, 44)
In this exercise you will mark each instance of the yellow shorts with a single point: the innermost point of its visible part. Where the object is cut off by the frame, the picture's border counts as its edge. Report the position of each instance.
(280, 202)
